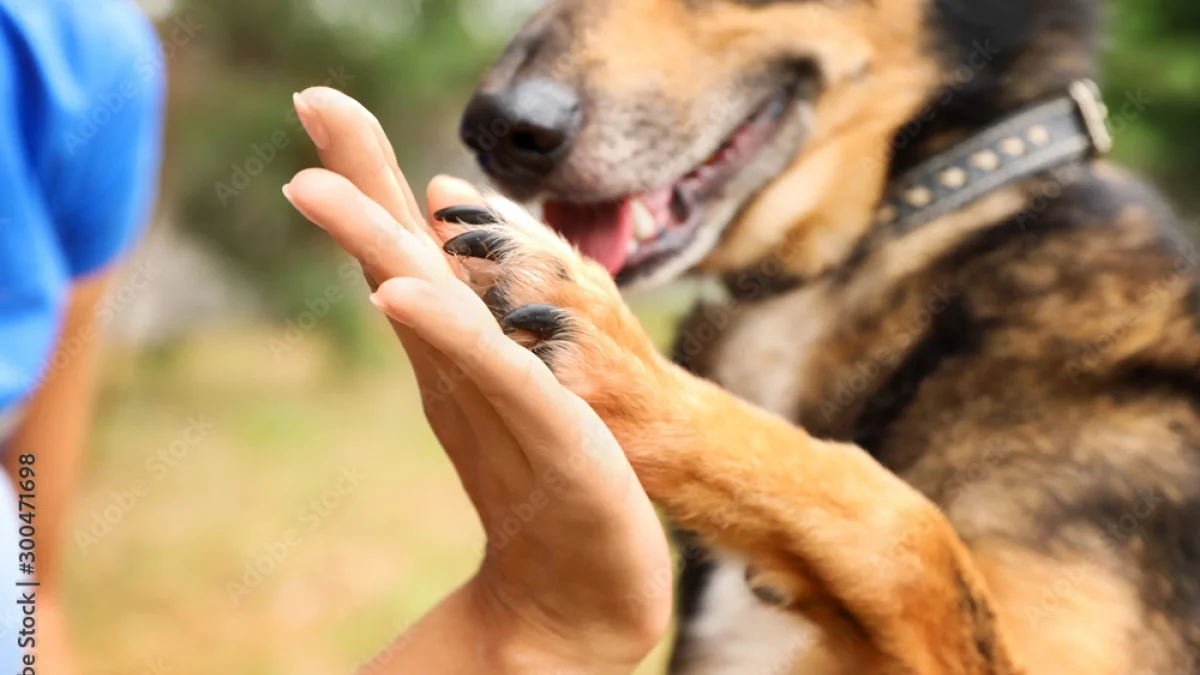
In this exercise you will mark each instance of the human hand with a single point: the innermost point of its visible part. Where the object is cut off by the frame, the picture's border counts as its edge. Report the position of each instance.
(577, 571)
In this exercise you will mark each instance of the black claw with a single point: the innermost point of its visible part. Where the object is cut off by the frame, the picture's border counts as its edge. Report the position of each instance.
(545, 321)
(466, 215)
(477, 244)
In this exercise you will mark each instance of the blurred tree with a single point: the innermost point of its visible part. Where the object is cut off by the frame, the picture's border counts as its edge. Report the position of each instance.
(235, 139)
(1153, 89)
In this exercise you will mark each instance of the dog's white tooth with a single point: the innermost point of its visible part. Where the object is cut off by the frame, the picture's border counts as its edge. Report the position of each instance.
(632, 248)
(644, 226)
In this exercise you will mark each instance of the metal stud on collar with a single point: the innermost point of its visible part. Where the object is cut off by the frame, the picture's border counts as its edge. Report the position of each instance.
(1095, 114)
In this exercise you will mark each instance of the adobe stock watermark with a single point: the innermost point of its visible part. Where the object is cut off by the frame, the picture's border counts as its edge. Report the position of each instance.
(263, 154)
(299, 327)
(594, 451)
(858, 378)
(1075, 582)
(101, 521)
(272, 553)
(1132, 105)
(146, 72)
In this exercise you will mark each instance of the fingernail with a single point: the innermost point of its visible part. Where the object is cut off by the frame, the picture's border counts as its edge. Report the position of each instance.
(312, 123)
(287, 194)
(378, 302)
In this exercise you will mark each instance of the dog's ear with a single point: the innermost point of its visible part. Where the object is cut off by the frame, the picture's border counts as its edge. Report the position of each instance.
(978, 42)
(996, 56)
(968, 25)
(1005, 30)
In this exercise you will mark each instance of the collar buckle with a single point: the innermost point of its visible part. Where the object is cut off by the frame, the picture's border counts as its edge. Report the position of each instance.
(1094, 113)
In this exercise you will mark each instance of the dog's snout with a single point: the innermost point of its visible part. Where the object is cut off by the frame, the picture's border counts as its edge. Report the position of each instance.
(523, 132)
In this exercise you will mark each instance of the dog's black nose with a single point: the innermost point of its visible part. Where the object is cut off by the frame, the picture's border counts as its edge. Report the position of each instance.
(523, 132)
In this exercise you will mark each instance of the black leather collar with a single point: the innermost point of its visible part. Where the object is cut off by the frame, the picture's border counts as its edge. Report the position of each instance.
(1040, 137)
(1043, 136)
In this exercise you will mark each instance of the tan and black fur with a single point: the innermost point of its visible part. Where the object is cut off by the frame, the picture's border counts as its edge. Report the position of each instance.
(974, 449)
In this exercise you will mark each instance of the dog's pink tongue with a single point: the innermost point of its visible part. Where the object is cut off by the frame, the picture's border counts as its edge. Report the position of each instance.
(602, 231)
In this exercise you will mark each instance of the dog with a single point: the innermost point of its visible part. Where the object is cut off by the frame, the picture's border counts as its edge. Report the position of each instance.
(944, 416)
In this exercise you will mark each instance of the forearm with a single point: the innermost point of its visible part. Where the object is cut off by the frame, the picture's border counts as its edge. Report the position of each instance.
(55, 427)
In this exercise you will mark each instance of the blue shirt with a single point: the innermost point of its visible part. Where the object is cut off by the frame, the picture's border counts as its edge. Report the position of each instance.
(81, 97)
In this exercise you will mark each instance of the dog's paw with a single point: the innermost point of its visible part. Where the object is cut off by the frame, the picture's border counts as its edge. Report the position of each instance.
(561, 305)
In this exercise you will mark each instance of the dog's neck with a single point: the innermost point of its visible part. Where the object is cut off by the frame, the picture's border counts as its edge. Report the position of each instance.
(973, 166)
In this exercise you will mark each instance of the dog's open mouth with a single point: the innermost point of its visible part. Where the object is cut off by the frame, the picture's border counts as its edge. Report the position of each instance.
(634, 234)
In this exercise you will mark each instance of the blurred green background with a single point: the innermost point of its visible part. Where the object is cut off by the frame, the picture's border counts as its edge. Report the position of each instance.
(263, 495)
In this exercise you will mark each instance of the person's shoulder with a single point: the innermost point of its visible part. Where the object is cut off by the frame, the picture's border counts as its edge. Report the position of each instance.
(85, 48)
(90, 78)
(115, 35)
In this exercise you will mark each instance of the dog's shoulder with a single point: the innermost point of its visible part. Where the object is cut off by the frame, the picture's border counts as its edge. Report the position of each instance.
(1094, 276)
(1073, 321)
(1069, 422)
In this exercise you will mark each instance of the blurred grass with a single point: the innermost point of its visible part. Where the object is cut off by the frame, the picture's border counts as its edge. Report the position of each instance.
(221, 453)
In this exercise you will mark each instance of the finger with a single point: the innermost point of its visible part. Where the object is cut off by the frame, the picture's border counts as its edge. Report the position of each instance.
(393, 164)
(351, 142)
(483, 436)
(363, 228)
(541, 414)
(371, 180)
(445, 192)
(366, 231)
(455, 322)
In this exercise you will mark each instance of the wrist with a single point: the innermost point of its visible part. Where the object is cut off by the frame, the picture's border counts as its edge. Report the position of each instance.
(517, 645)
